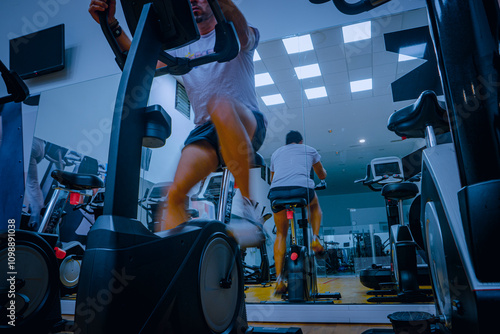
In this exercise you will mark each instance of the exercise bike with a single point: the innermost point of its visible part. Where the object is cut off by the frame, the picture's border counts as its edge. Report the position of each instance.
(460, 181)
(185, 280)
(29, 288)
(404, 276)
(299, 261)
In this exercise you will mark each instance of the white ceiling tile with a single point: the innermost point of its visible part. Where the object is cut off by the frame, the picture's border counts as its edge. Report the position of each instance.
(319, 101)
(385, 70)
(328, 67)
(334, 91)
(288, 86)
(386, 24)
(277, 63)
(358, 48)
(267, 90)
(312, 82)
(286, 74)
(303, 58)
(336, 78)
(295, 99)
(382, 85)
(404, 67)
(378, 44)
(360, 74)
(362, 95)
(380, 58)
(331, 53)
(327, 37)
(259, 67)
(353, 63)
(271, 49)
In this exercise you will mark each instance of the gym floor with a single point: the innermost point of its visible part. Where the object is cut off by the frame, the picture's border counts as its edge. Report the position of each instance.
(352, 293)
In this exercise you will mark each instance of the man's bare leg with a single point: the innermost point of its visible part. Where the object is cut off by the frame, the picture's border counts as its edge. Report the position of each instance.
(197, 161)
(235, 125)
(315, 215)
(281, 222)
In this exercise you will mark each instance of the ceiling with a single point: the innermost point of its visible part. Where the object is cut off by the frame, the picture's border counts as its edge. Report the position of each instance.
(335, 124)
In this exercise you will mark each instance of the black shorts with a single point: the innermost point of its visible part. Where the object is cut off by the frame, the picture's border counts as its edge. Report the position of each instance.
(290, 192)
(208, 133)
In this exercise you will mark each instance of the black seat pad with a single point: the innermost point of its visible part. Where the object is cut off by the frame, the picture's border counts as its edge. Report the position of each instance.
(411, 121)
(281, 203)
(397, 191)
(77, 181)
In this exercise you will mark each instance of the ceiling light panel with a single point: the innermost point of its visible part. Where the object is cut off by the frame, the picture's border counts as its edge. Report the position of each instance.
(256, 56)
(307, 71)
(361, 85)
(357, 32)
(263, 79)
(274, 99)
(315, 93)
(298, 44)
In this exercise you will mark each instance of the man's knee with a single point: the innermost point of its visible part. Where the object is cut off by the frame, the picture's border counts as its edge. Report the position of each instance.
(176, 194)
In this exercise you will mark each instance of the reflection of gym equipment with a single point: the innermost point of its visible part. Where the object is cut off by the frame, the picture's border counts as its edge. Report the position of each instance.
(70, 254)
(211, 189)
(403, 272)
(299, 262)
(32, 278)
(460, 181)
(188, 279)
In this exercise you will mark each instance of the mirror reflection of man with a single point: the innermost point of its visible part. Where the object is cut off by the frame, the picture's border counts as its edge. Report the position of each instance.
(34, 195)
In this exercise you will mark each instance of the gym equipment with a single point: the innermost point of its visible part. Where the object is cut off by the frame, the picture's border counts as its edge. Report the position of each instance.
(299, 262)
(461, 181)
(74, 184)
(29, 289)
(222, 182)
(400, 281)
(11, 150)
(185, 280)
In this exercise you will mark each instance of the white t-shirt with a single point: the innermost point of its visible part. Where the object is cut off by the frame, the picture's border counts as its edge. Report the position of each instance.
(292, 165)
(235, 78)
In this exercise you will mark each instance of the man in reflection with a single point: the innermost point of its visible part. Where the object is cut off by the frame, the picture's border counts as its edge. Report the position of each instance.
(229, 126)
(290, 174)
(34, 194)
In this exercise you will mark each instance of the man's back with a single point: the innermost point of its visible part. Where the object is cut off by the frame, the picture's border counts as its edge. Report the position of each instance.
(292, 165)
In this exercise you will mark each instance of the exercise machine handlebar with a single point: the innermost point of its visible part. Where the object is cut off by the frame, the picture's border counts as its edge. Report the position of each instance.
(17, 89)
(226, 46)
(353, 8)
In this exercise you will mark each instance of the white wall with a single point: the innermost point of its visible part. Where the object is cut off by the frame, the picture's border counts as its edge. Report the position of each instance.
(336, 209)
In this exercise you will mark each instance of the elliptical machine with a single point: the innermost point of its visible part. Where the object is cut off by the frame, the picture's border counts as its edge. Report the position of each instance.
(185, 280)
(460, 181)
(400, 281)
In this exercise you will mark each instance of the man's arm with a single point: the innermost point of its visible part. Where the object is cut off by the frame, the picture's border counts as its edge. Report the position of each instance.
(97, 6)
(246, 34)
(319, 170)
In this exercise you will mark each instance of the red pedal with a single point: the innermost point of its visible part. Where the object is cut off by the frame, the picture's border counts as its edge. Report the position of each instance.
(60, 253)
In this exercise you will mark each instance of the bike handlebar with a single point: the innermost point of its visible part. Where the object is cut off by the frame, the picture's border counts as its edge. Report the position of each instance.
(353, 8)
(226, 47)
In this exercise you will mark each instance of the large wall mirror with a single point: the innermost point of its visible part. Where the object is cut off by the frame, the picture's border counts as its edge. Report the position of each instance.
(337, 90)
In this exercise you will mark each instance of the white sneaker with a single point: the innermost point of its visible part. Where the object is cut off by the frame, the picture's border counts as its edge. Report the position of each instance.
(248, 230)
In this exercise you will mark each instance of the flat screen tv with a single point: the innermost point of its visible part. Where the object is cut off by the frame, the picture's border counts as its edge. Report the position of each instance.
(38, 53)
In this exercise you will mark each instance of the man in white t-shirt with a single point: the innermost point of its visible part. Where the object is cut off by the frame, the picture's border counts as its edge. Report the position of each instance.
(291, 177)
(229, 125)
